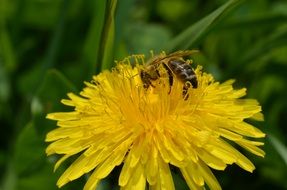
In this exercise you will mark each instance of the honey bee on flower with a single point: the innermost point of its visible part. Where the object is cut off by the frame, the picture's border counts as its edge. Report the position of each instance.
(151, 116)
(175, 66)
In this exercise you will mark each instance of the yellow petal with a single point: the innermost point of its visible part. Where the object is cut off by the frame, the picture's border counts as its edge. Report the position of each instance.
(250, 147)
(138, 180)
(189, 180)
(258, 117)
(67, 146)
(152, 166)
(211, 160)
(194, 172)
(74, 171)
(68, 102)
(77, 99)
(164, 154)
(137, 150)
(63, 116)
(166, 180)
(208, 176)
(61, 133)
(113, 160)
(228, 134)
(126, 171)
(172, 148)
(92, 182)
(244, 162)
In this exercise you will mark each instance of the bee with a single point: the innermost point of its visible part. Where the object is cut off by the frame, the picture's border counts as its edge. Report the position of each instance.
(175, 66)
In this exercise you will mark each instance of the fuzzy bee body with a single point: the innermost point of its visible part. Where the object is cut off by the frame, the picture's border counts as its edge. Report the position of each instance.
(183, 71)
(175, 66)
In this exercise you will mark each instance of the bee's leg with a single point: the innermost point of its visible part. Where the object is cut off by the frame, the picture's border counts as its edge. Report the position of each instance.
(170, 77)
(157, 75)
(146, 79)
(185, 88)
(194, 82)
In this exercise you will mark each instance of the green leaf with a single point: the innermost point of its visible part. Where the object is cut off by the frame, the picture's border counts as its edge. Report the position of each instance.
(9, 180)
(93, 39)
(279, 147)
(5, 86)
(122, 23)
(108, 38)
(193, 33)
(30, 163)
(43, 179)
(99, 45)
(6, 48)
(29, 151)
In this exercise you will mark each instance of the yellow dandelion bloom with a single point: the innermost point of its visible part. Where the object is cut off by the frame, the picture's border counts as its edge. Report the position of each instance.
(115, 120)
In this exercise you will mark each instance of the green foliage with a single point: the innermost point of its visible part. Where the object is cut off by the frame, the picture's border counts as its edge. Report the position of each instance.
(48, 48)
(92, 43)
(31, 166)
(189, 36)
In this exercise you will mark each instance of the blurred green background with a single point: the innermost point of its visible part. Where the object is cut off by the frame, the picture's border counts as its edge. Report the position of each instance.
(49, 47)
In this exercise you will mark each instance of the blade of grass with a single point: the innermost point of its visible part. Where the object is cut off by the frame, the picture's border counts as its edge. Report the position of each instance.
(6, 47)
(93, 40)
(279, 147)
(193, 33)
(9, 180)
(7, 50)
(108, 37)
(122, 16)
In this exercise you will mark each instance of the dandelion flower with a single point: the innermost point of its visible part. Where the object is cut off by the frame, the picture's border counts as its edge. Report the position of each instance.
(116, 121)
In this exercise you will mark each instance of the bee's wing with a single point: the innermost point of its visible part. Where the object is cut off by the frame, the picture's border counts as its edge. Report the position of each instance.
(161, 57)
(182, 53)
